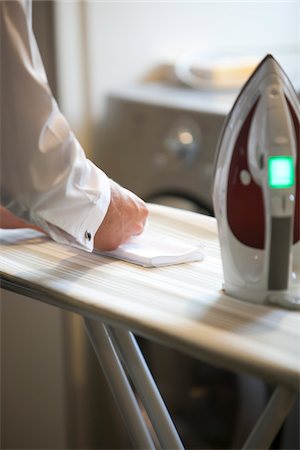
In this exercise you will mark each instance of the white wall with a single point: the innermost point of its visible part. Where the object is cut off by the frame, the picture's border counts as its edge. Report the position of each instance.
(125, 39)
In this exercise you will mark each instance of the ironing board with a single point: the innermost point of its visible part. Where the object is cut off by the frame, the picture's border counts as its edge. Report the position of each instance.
(182, 306)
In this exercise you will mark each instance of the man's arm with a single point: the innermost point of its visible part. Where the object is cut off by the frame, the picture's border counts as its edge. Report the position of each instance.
(46, 178)
(9, 220)
(126, 216)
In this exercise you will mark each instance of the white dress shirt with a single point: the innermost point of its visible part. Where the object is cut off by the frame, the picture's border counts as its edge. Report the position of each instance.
(45, 175)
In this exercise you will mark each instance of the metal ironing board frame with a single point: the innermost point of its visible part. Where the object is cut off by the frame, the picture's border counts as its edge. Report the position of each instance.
(118, 354)
(124, 367)
(114, 346)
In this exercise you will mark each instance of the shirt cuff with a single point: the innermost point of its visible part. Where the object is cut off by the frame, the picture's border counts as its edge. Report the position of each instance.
(80, 234)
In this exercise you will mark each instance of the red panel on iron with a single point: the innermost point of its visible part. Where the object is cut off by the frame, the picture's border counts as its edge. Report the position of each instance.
(245, 205)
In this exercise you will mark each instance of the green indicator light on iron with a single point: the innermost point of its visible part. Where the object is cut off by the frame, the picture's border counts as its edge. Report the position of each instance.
(281, 172)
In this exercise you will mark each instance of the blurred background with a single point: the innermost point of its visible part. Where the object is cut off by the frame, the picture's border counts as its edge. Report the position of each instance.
(100, 46)
(146, 87)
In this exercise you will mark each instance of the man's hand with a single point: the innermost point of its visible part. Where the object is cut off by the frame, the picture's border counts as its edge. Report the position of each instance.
(126, 217)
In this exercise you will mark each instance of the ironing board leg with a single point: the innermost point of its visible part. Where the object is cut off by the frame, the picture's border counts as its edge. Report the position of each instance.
(271, 419)
(119, 384)
(142, 379)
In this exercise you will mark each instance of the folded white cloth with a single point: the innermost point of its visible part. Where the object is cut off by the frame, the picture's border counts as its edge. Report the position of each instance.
(20, 235)
(150, 250)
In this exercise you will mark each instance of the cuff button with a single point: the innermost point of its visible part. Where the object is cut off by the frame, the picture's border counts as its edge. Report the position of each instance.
(88, 235)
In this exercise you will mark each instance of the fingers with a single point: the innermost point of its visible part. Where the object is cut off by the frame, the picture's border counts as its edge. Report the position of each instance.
(126, 217)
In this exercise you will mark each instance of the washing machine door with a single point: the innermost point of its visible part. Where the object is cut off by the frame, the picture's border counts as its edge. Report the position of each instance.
(180, 202)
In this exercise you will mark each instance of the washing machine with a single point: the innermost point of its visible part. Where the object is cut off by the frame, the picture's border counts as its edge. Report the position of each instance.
(159, 141)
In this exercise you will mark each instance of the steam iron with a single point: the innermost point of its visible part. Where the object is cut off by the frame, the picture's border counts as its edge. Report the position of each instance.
(256, 190)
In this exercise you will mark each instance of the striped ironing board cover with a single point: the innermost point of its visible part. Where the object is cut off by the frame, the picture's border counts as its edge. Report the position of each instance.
(182, 306)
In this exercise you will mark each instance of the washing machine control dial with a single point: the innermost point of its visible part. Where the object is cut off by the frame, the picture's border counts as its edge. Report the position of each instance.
(183, 141)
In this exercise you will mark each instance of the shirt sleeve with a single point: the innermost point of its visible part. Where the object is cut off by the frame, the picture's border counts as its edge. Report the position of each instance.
(45, 175)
